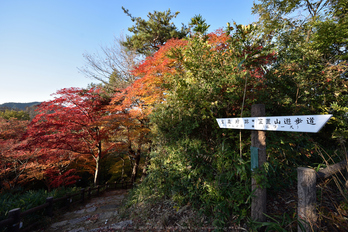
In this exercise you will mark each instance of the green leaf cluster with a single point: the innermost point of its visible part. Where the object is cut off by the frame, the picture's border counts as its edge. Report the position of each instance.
(191, 162)
(309, 76)
(215, 183)
(14, 114)
(149, 35)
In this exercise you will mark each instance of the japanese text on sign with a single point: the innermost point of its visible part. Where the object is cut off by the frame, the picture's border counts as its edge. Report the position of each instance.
(302, 123)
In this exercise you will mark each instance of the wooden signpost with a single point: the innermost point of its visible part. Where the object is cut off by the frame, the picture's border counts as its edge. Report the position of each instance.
(259, 124)
(302, 123)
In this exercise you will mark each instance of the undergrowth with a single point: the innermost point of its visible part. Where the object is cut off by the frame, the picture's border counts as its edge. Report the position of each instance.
(216, 190)
(29, 199)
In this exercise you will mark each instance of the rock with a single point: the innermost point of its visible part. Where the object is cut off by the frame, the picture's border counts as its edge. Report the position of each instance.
(59, 224)
(94, 218)
(109, 206)
(107, 215)
(89, 205)
(80, 211)
(100, 214)
(80, 229)
(92, 209)
(78, 220)
(121, 225)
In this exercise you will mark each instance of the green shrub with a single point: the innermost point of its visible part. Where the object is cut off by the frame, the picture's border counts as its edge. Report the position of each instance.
(216, 184)
(30, 199)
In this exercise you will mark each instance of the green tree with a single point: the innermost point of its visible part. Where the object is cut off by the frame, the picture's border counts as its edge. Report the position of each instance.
(203, 78)
(14, 114)
(199, 25)
(308, 76)
(320, 24)
(311, 42)
(149, 35)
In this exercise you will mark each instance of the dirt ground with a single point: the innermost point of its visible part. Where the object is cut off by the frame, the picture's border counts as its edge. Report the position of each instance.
(97, 214)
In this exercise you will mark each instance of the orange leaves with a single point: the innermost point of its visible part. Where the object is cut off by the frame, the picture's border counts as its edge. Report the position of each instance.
(219, 40)
(13, 160)
(12, 128)
(130, 107)
(139, 98)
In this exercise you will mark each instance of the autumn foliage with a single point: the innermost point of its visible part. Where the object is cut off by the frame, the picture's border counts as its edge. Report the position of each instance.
(83, 125)
(13, 161)
(70, 126)
(165, 121)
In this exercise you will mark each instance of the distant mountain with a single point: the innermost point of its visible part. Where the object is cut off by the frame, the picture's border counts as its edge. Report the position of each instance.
(18, 106)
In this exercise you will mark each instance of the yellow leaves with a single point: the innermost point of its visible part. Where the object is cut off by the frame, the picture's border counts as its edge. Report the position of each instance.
(177, 208)
(215, 103)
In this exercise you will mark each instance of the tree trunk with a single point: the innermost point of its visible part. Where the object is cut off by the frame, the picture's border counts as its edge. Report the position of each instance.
(332, 169)
(144, 169)
(96, 172)
(97, 164)
(122, 173)
(135, 167)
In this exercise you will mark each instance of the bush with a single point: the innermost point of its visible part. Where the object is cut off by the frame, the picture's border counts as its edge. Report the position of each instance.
(27, 200)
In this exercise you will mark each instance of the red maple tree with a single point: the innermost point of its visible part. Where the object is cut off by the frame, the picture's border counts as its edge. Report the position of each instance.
(13, 161)
(72, 122)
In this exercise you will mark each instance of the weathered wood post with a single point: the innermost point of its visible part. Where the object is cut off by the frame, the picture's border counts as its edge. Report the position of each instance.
(15, 215)
(89, 192)
(49, 209)
(68, 200)
(306, 186)
(82, 194)
(259, 123)
(258, 156)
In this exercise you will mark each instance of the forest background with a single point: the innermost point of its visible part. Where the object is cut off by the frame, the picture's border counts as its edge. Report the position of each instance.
(152, 117)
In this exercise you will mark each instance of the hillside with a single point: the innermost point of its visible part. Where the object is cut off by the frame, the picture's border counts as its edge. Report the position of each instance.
(18, 106)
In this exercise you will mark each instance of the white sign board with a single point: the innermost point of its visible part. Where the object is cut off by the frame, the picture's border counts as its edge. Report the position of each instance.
(301, 123)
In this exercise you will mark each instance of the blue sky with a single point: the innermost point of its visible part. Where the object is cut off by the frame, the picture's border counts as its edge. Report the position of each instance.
(42, 42)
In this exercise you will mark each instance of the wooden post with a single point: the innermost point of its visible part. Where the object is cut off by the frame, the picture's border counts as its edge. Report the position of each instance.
(89, 192)
(115, 184)
(68, 200)
(258, 142)
(82, 194)
(15, 215)
(49, 209)
(306, 210)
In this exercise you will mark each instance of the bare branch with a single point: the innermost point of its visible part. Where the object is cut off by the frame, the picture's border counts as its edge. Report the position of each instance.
(112, 66)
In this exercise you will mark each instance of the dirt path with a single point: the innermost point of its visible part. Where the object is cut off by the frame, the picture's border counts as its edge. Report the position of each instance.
(98, 214)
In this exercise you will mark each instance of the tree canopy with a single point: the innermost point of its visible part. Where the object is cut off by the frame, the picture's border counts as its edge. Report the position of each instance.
(72, 123)
(14, 114)
(149, 35)
(161, 112)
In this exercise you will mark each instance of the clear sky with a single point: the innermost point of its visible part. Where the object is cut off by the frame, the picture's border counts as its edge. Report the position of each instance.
(42, 42)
